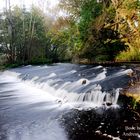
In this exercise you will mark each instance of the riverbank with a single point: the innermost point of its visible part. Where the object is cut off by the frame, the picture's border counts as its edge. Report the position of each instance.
(130, 96)
(107, 63)
(82, 61)
(35, 63)
(14, 65)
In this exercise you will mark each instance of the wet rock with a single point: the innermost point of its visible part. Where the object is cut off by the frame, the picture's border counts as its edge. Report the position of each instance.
(84, 82)
(130, 73)
(108, 104)
(59, 101)
(98, 132)
(124, 67)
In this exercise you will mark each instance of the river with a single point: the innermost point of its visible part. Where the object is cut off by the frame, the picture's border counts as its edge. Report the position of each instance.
(64, 101)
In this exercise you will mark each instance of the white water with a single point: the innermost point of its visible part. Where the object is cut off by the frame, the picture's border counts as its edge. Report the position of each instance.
(43, 131)
(66, 93)
(33, 99)
(36, 122)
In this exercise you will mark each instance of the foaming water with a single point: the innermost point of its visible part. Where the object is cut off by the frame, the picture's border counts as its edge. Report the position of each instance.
(72, 83)
(27, 111)
(33, 98)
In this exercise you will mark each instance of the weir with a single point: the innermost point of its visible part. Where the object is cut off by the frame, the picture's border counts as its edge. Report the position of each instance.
(35, 100)
(75, 83)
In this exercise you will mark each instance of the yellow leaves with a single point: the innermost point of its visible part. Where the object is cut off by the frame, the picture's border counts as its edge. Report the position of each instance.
(130, 33)
(116, 3)
(123, 11)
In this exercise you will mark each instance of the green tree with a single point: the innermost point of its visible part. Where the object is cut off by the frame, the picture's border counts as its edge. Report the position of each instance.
(28, 40)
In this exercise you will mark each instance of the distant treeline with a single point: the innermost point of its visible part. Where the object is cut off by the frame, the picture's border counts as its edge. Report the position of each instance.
(98, 30)
(25, 36)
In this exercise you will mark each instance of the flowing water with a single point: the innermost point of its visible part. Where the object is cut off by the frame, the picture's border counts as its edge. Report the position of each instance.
(47, 102)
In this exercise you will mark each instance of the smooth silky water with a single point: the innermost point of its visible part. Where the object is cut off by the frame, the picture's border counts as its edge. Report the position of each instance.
(52, 102)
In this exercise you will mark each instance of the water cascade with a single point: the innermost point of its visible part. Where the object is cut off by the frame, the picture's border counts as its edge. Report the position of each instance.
(34, 100)
(74, 84)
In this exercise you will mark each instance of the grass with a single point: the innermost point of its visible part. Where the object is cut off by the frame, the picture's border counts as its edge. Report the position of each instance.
(135, 101)
(131, 54)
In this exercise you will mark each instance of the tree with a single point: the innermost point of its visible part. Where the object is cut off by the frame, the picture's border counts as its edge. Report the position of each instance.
(29, 35)
(127, 17)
